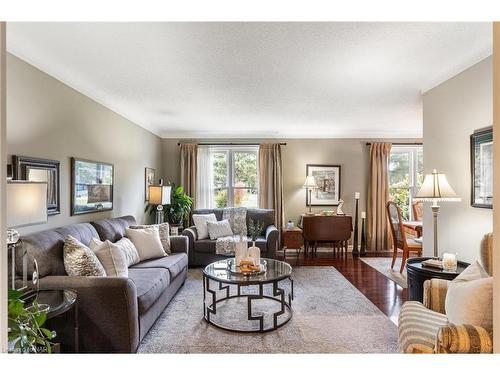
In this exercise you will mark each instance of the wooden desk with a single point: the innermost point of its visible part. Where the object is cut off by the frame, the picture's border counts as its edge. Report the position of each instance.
(414, 227)
(326, 229)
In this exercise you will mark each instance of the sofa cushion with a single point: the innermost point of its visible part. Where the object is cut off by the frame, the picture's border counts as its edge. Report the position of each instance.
(262, 215)
(79, 260)
(150, 284)
(418, 328)
(47, 248)
(469, 299)
(174, 263)
(113, 229)
(208, 246)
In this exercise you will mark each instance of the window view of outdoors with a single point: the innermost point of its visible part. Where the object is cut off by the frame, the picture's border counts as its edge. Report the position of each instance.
(405, 176)
(235, 178)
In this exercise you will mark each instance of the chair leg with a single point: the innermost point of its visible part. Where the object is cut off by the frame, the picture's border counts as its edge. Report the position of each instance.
(403, 260)
(394, 256)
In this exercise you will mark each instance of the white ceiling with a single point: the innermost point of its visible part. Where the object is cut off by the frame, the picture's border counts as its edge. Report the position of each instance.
(258, 80)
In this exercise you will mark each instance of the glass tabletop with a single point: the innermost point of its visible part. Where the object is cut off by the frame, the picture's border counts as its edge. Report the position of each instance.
(276, 270)
(58, 301)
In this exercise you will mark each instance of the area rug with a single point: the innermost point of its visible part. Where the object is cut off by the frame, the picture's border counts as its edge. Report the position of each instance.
(383, 265)
(329, 316)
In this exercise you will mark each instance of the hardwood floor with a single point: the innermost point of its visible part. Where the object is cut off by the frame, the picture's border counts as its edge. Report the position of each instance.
(384, 293)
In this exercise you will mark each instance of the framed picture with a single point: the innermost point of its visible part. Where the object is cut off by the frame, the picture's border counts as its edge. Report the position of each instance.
(327, 178)
(40, 170)
(149, 179)
(91, 186)
(481, 153)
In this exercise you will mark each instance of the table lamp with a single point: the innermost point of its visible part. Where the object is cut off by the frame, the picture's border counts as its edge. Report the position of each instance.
(26, 205)
(310, 184)
(159, 195)
(436, 188)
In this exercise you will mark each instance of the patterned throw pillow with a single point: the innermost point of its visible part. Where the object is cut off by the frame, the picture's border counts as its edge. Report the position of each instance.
(111, 257)
(79, 260)
(163, 229)
(237, 217)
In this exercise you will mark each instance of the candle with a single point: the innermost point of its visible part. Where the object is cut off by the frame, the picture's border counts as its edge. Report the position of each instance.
(363, 215)
(356, 195)
(449, 262)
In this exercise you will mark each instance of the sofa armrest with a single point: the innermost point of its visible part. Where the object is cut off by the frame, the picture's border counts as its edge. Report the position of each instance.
(435, 294)
(192, 236)
(107, 310)
(463, 338)
(272, 238)
(179, 244)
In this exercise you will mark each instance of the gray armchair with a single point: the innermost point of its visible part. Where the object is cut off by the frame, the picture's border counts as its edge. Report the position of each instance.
(202, 252)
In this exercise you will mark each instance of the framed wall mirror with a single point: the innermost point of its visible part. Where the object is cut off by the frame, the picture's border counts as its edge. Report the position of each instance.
(91, 186)
(481, 151)
(40, 170)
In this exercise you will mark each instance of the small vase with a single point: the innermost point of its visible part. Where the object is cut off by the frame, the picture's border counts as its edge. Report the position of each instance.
(254, 253)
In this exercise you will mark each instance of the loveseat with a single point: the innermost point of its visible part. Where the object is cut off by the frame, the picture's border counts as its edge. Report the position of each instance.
(115, 313)
(203, 252)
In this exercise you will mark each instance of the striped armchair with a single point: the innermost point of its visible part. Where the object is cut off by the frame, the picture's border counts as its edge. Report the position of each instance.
(424, 328)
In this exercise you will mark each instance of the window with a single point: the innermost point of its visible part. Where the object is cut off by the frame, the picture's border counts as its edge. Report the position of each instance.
(405, 176)
(235, 176)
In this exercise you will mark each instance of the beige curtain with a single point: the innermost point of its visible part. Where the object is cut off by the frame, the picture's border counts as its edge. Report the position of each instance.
(189, 156)
(377, 228)
(271, 180)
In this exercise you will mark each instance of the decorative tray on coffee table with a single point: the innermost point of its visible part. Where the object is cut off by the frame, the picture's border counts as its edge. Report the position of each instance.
(233, 268)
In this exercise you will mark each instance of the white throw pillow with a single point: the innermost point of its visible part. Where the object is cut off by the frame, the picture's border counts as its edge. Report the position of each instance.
(111, 257)
(219, 229)
(126, 246)
(147, 242)
(79, 260)
(469, 299)
(163, 229)
(200, 221)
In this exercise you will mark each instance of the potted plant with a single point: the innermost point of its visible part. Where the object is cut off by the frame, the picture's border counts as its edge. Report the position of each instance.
(26, 333)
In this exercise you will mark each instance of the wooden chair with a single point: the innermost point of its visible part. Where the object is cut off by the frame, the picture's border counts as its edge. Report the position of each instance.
(399, 236)
(417, 208)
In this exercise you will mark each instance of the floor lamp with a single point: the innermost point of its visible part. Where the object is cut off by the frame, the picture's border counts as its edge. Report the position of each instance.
(436, 188)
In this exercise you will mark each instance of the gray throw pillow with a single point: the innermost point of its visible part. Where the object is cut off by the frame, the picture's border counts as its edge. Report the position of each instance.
(79, 260)
(219, 229)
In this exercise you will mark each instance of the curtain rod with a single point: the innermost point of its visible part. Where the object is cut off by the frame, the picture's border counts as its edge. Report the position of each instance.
(401, 144)
(229, 144)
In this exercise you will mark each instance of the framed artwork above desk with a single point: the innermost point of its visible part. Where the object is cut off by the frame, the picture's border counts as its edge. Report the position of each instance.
(327, 177)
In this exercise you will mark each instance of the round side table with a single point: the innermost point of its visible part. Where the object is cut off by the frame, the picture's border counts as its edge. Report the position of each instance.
(417, 274)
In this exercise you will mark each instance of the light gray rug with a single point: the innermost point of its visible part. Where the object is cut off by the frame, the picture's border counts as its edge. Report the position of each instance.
(329, 316)
(383, 265)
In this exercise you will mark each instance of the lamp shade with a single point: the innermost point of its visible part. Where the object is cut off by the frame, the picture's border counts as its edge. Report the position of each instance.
(436, 188)
(310, 183)
(159, 194)
(26, 203)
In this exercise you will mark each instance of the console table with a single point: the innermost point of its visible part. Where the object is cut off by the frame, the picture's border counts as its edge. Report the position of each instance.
(417, 274)
(334, 229)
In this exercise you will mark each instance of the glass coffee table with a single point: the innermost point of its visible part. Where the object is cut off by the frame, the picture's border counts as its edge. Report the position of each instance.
(248, 303)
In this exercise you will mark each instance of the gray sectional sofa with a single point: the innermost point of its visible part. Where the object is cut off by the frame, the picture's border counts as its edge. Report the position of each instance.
(115, 313)
(202, 252)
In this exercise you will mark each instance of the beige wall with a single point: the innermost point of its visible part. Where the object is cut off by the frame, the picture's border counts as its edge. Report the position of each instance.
(47, 119)
(452, 111)
(3, 175)
(496, 186)
(350, 154)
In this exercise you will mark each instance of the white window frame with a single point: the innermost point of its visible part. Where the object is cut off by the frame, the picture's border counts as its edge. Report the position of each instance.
(412, 151)
(231, 150)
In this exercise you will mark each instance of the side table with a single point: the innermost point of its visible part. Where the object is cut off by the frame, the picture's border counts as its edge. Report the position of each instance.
(417, 274)
(292, 239)
(62, 315)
